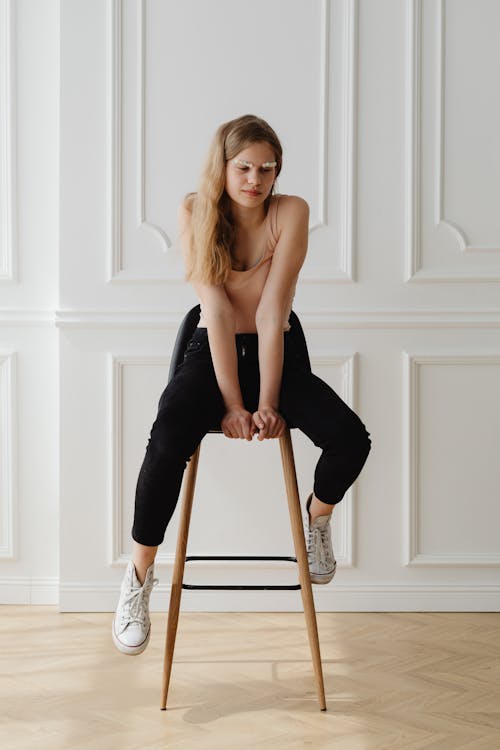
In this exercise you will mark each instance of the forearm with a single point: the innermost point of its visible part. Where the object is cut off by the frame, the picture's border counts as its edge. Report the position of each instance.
(271, 347)
(221, 336)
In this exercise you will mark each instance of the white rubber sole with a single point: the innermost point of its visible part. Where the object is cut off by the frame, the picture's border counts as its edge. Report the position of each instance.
(323, 577)
(126, 649)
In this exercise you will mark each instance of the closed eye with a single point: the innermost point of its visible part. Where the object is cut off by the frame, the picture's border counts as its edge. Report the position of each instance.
(244, 169)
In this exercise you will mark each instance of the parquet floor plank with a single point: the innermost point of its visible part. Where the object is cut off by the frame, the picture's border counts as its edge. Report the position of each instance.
(393, 681)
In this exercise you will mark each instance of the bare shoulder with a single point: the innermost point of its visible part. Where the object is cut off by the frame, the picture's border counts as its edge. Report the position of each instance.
(291, 200)
(292, 210)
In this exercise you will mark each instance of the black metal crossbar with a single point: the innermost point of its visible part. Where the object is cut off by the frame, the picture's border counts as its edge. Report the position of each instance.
(266, 587)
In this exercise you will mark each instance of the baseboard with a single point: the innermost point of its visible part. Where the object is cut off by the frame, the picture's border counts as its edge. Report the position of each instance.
(28, 590)
(332, 597)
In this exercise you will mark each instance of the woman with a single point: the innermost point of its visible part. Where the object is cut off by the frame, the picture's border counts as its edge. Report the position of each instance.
(240, 369)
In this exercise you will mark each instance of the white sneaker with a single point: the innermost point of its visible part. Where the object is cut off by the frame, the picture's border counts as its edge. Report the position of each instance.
(131, 624)
(322, 563)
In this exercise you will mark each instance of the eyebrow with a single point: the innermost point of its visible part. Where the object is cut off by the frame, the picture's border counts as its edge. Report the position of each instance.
(251, 164)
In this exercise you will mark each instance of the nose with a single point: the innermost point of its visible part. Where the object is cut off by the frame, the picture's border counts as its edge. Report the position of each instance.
(253, 178)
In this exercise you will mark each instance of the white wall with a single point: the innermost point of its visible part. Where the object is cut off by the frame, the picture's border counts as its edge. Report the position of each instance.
(390, 132)
(29, 235)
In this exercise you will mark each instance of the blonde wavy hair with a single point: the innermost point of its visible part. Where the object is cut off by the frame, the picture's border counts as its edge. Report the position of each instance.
(211, 229)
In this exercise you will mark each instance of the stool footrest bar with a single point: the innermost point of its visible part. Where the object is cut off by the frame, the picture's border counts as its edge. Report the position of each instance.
(238, 557)
(242, 587)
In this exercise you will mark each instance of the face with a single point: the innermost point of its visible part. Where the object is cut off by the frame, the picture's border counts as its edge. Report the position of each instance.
(250, 174)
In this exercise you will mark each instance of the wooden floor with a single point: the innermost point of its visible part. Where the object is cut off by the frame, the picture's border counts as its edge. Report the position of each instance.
(397, 681)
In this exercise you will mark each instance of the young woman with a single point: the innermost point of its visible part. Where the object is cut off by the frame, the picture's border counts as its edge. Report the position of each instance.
(243, 246)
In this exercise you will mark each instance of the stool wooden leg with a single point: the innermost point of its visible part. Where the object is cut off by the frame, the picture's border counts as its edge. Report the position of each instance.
(301, 555)
(178, 572)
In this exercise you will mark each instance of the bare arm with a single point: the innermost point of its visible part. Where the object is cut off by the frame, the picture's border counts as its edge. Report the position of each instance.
(219, 315)
(288, 258)
(221, 327)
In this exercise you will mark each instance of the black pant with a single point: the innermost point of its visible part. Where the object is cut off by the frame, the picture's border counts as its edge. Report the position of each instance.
(192, 404)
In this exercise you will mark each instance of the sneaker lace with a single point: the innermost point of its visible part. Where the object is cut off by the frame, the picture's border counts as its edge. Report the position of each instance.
(135, 604)
(318, 544)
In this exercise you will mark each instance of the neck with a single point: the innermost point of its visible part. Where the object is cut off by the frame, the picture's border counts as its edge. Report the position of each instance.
(247, 219)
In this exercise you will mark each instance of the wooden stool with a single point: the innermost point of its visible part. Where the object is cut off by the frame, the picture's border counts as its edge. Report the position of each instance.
(185, 331)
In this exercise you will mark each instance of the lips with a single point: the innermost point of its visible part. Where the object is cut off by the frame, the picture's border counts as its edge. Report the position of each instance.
(251, 192)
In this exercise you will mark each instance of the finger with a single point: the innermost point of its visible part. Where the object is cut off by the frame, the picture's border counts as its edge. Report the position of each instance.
(277, 427)
(228, 428)
(260, 433)
(273, 425)
(247, 427)
(259, 421)
(267, 425)
(252, 427)
(241, 426)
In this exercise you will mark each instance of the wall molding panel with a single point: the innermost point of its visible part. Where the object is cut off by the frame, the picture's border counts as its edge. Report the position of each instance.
(413, 463)
(116, 365)
(8, 150)
(415, 270)
(117, 271)
(8, 455)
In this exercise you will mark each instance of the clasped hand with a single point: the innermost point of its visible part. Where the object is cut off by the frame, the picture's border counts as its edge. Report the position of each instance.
(240, 423)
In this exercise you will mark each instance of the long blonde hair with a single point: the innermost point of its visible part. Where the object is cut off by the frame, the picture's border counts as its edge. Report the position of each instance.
(212, 231)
